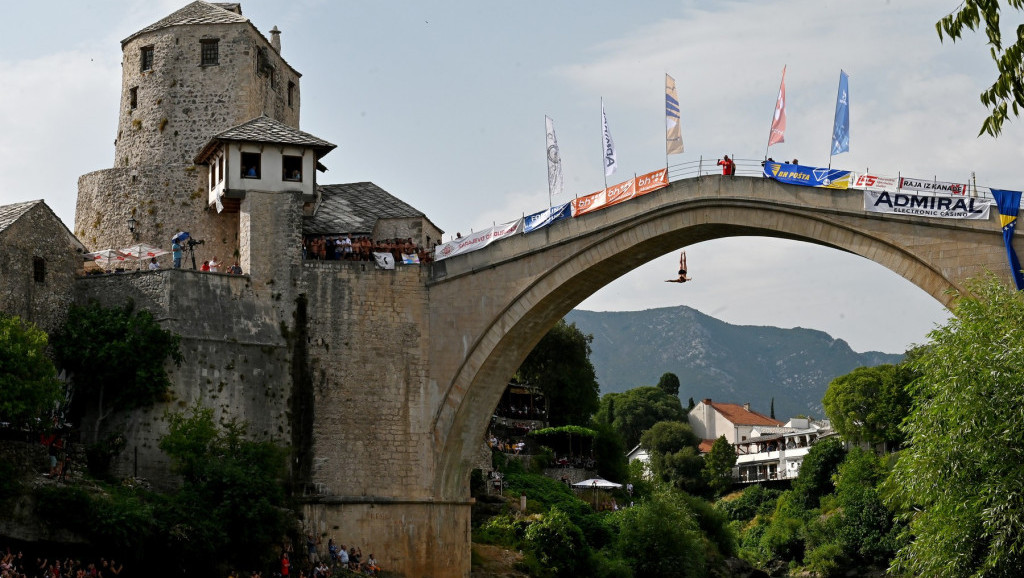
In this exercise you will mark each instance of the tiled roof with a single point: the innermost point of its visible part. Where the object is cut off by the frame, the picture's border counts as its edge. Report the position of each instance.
(197, 12)
(264, 129)
(11, 213)
(354, 208)
(739, 416)
(705, 446)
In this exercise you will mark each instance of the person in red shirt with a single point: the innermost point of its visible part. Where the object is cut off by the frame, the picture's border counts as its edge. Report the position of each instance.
(728, 167)
(286, 564)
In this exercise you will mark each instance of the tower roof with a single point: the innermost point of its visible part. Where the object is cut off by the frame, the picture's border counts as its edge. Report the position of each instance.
(264, 129)
(197, 12)
(354, 208)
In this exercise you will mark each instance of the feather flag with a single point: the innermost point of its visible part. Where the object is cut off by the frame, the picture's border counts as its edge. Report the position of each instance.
(673, 132)
(779, 120)
(841, 129)
(554, 159)
(610, 162)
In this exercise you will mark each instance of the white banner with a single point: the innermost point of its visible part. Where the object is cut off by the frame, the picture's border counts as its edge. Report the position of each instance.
(940, 206)
(384, 260)
(870, 182)
(610, 162)
(477, 240)
(932, 186)
(554, 160)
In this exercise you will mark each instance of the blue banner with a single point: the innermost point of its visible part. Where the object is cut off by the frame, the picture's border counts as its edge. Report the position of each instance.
(841, 129)
(547, 216)
(1009, 204)
(807, 176)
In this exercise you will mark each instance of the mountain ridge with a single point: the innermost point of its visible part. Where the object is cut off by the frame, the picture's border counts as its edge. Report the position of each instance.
(718, 360)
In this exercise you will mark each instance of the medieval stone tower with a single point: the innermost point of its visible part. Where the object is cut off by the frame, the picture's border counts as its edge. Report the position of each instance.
(199, 71)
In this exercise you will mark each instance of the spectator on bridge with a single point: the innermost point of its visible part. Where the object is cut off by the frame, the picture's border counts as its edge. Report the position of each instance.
(682, 271)
(728, 167)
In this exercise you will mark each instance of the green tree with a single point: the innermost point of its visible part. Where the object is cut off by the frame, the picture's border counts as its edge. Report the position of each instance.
(231, 507)
(672, 446)
(610, 454)
(772, 414)
(660, 536)
(28, 380)
(116, 358)
(560, 365)
(816, 471)
(669, 383)
(718, 465)
(1008, 89)
(869, 403)
(558, 544)
(634, 411)
(959, 480)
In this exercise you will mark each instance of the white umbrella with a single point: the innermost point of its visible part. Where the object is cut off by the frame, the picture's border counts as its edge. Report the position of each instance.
(144, 251)
(106, 256)
(597, 483)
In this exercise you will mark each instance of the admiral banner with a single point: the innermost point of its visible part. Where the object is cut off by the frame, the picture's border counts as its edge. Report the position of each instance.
(477, 240)
(939, 206)
(546, 217)
(870, 182)
(807, 176)
(932, 186)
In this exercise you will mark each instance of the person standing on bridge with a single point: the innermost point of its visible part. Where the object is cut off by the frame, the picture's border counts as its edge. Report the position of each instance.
(728, 166)
(682, 269)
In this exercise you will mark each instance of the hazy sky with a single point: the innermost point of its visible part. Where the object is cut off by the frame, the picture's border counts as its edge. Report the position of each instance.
(442, 104)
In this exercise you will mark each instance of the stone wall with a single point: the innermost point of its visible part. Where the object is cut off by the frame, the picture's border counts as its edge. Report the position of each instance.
(237, 360)
(419, 229)
(37, 234)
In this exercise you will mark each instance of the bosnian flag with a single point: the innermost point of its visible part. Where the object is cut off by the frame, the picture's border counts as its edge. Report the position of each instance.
(779, 121)
(1009, 203)
(610, 163)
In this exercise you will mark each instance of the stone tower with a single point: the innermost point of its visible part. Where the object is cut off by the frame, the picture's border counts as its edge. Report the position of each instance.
(186, 78)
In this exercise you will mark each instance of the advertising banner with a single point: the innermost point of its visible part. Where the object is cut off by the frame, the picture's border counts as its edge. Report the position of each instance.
(589, 203)
(621, 192)
(651, 182)
(807, 176)
(546, 217)
(869, 182)
(477, 240)
(937, 206)
(932, 186)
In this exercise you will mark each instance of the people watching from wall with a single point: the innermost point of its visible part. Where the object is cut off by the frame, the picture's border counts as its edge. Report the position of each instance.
(361, 248)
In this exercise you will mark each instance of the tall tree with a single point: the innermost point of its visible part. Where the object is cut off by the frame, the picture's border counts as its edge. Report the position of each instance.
(718, 465)
(958, 481)
(772, 415)
(634, 411)
(116, 357)
(1008, 88)
(560, 365)
(672, 447)
(28, 380)
(869, 403)
(669, 383)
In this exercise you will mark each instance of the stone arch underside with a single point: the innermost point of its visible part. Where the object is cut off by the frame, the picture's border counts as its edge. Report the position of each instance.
(600, 258)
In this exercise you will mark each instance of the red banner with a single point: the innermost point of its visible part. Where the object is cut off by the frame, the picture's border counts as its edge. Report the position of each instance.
(651, 182)
(623, 191)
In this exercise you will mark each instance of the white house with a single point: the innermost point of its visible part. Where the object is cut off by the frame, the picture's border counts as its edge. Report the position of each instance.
(776, 452)
(710, 420)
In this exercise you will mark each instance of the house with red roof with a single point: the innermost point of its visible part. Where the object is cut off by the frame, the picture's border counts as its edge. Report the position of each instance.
(712, 419)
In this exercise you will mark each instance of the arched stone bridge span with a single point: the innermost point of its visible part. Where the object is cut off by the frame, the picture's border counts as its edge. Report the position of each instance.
(493, 305)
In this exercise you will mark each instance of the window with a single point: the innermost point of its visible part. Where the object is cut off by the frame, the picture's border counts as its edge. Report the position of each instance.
(291, 168)
(39, 269)
(133, 97)
(210, 52)
(146, 60)
(220, 168)
(251, 165)
(291, 92)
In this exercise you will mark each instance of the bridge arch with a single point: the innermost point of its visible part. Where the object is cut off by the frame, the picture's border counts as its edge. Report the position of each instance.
(568, 267)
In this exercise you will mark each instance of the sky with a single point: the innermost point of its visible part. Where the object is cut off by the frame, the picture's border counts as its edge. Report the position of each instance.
(442, 104)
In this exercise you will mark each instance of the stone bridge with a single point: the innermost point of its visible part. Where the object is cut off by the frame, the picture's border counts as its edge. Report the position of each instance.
(489, 308)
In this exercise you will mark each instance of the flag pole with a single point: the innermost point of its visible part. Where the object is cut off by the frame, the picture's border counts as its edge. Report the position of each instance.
(666, 134)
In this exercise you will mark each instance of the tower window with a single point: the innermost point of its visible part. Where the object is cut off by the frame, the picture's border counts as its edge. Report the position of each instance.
(251, 165)
(146, 60)
(133, 97)
(291, 168)
(210, 52)
(39, 269)
(291, 92)
(220, 168)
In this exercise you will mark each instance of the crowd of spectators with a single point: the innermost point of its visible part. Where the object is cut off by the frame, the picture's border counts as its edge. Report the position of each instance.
(362, 248)
(17, 565)
(336, 560)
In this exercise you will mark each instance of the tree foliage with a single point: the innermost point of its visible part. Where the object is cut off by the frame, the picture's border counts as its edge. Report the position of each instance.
(718, 465)
(660, 537)
(1007, 92)
(816, 471)
(560, 365)
(669, 383)
(231, 506)
(672, 447)
(869, 403)
(959, 479)
(28, 380)
(116, 357)
(633, 412)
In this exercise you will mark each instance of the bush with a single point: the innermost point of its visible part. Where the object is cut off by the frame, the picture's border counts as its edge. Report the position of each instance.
(714, 524)
(558, 544)
(752, 501)
(660, 537)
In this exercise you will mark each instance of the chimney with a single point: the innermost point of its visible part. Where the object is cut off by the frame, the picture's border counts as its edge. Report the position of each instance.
(275, 39)
(746, 406)
(706, 401)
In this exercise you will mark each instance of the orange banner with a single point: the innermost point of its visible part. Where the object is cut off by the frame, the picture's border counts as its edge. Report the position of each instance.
(623, 191)
(589, 203)
(651, 182)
